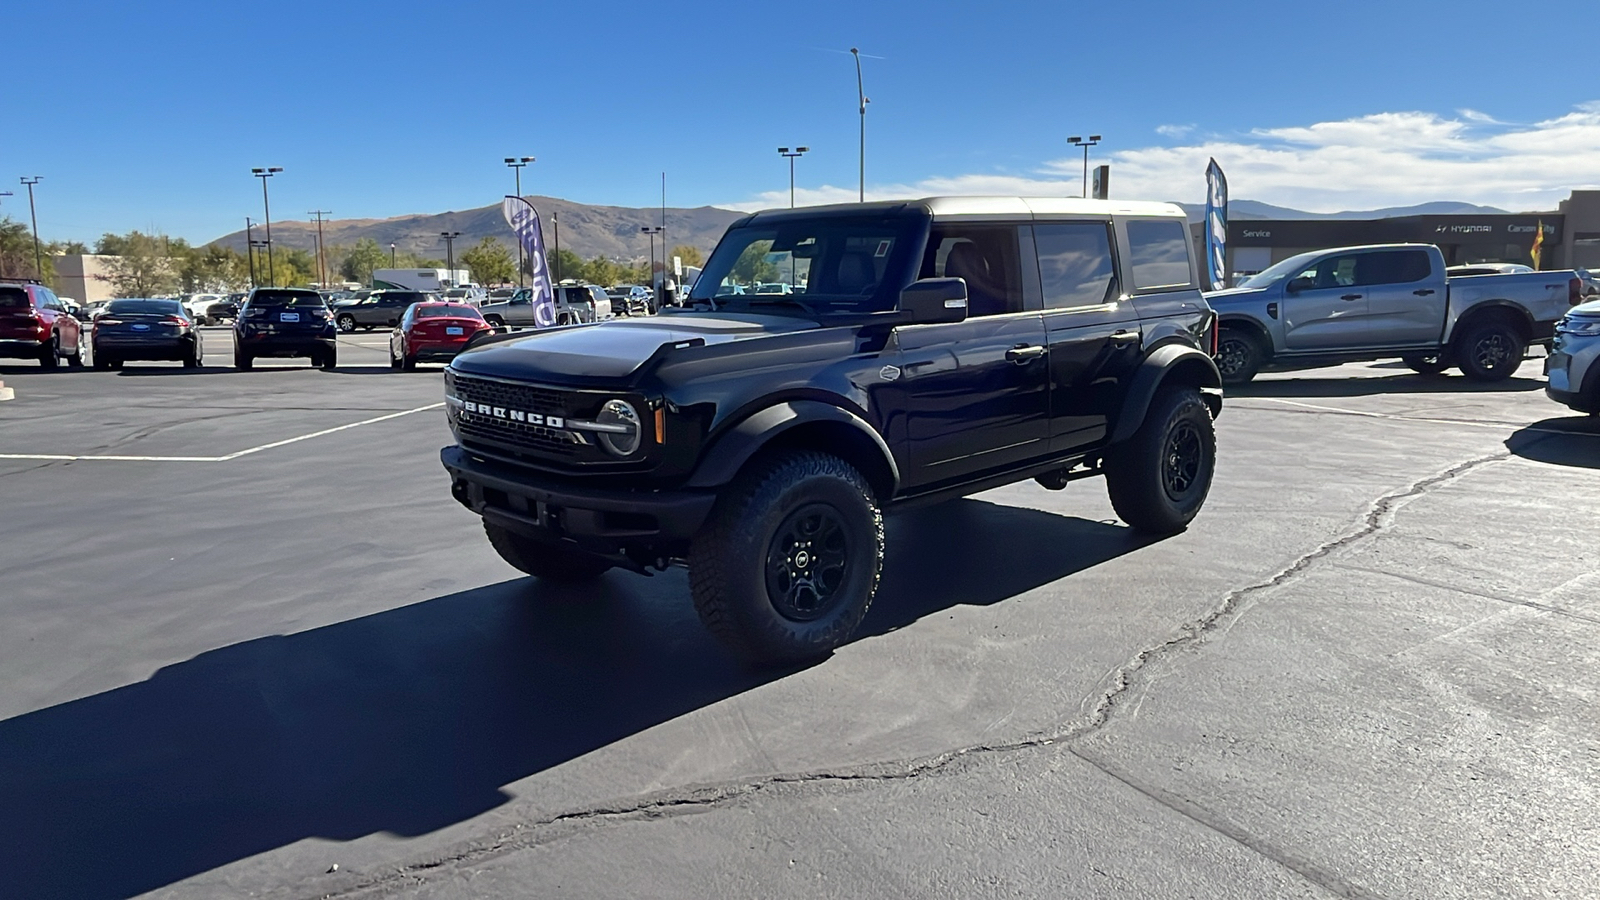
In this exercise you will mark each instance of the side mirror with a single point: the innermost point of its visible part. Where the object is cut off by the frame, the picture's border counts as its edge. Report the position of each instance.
(1300, 284)
(933, 300)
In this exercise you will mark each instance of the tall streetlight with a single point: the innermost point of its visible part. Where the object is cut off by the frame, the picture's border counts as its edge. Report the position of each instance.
(516, 163)
(264, 173)
(322, 269)
(450, 253)
(652, 231)
(391, 254)
(250, 249)
(1077, 141)
(861, 94)
(38, 263)
(792, 156)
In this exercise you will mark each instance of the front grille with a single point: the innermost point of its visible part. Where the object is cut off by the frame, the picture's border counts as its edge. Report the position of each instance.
(520, 403)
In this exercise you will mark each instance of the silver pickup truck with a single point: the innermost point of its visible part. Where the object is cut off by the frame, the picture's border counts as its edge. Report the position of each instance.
(1384, 301)
(575, 304)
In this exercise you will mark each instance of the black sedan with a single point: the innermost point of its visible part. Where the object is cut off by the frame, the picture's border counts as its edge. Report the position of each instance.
(145, 329)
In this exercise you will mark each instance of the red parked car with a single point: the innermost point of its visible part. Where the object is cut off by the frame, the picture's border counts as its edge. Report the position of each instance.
(35, 324)
(433, 332)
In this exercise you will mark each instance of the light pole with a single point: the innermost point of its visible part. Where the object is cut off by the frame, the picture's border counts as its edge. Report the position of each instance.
(250, 250)
(450, 253)
(516, 163)
(322, 269)
(792, 156)
(38, 264)
(264, 173)
(391, 255)
(1078, 141)
(555, 223)
(652, 231)
(861, 94)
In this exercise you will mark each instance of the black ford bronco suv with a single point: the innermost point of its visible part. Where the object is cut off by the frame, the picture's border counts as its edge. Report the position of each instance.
(927, 350)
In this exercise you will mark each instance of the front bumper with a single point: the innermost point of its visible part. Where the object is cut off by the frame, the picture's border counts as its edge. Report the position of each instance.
(642, 526)
(1573, 375)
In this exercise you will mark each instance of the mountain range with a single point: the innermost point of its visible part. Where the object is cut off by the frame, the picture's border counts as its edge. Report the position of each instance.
(613, 231)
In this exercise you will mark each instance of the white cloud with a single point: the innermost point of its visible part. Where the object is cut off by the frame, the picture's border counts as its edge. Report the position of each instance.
(1174, 131)
(1384, 159)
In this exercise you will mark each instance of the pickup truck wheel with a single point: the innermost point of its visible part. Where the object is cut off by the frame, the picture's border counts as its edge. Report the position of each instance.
(347, 323)
(788, 563)
(1239, 356)
(495, 321)
(1426, 365)
(1491, 351)
(541, 560)
(1159, 478)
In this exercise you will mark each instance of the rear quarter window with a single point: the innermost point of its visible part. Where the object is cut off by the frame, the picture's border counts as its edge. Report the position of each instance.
(13, 298)
(1158, 254)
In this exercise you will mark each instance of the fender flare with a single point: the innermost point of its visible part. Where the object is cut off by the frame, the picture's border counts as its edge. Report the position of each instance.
(730, 451)
(1507, 308)
(1198, 369)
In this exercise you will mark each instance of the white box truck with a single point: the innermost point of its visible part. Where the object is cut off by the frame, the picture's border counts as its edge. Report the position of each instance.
(434, 280)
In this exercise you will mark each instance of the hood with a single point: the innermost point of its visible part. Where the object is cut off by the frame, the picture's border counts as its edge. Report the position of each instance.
(615, 348)
(1587, 310)
(1238, 293)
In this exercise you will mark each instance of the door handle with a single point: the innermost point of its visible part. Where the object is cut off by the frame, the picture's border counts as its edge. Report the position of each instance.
(1021, 354)
(1349, 296)
(1423, 292)
(1124, 337)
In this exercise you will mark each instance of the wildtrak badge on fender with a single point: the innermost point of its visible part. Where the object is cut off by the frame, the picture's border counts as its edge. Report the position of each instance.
(911, 352)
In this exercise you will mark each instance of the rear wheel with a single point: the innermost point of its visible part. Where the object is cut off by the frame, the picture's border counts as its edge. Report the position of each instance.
(1491, 351)
(495, 321)
(541, 560)
(327, 359)
(1426, 365)
(101, 361)
(191, 357)
(347, 323)
(50, 354)
(1239, 356)
(1158, 479)
(242, 361)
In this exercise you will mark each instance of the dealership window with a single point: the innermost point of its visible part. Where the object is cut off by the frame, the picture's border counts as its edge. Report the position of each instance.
(1075, 263)
(1158, 254)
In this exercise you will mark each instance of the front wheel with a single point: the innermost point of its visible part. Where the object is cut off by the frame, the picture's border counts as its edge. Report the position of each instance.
(347, 323)
(1158, 479)
(788, 562)
(541, 560)
(1426, 365)
(495, 321)
(1239, 356)
(1491, 351)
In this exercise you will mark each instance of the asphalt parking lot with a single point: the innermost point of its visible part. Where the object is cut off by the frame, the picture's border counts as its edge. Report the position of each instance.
(249, 646)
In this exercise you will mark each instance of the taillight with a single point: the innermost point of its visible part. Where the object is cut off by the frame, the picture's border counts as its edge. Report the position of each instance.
(175, 320)
(106, 320)
(1574, 291)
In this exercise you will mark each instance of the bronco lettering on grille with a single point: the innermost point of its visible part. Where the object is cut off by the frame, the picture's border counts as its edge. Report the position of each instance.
(513, 415)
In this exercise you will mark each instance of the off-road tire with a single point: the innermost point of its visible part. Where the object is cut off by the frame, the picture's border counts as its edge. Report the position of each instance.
(243, 361)
(547, 561)
(731, 573)
(1140, 472)
(1239, 355)
(1491, 350)
(1426, 365)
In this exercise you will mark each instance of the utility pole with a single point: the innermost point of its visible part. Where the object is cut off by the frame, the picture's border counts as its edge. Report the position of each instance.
(450, 253)
(263, 174)
(250, 250)
(861, 94)
(792, 155)
(556, 224)
(661, 293)
(38, 261)
(516, 163)
(322, 265)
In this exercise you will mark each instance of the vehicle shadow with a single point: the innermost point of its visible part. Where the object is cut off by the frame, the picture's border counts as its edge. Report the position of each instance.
(413, 719)
(1562, 441)
(1410, 383)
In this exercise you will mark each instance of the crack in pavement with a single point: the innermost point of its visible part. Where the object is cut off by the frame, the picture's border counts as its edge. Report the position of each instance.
(1120, 683)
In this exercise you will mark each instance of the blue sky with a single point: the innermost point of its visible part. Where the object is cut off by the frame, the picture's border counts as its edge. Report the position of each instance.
(150, 116)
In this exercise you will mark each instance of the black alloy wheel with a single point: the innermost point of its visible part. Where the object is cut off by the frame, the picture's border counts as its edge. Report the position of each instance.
(807, 562)
(1182, 461)
(1492, 351)
(1159, 478)
(1239, 356)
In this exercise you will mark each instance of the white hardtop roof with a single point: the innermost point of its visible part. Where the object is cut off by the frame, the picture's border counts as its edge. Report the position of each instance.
(1047, 206)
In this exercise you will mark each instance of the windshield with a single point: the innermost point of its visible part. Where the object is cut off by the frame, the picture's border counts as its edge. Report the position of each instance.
(1270, 276)
(285, 298)
(825, 264)
(447, 311)
(146, 307)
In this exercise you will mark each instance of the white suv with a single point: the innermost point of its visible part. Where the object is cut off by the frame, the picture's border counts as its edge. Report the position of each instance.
(1573, 365)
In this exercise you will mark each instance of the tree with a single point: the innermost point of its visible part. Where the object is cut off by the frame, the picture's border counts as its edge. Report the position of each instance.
(565, 264)
(363, 258)
(752, 265)
(490, 262)
(142, 267)
(215, 268)
(601, 271)
(16, 253)
(689, 255)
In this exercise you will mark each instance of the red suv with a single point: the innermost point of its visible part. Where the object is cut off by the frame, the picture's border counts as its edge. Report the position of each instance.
(35, 324)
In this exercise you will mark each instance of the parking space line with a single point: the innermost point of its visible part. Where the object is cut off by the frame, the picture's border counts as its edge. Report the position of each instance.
(1401, 418)
(55, 457)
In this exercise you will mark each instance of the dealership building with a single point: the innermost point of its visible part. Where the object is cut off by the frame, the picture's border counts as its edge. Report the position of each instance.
(1571, 236)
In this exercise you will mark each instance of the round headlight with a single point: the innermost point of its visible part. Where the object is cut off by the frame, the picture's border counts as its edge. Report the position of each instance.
(623, 431)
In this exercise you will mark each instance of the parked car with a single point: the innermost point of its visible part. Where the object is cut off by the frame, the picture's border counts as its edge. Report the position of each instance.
(433, 332)
(1573, 366)
(350, 299)
(774, 287)
(379, 309)
(471, 296)
(132, 329)
(575, 305)
(196, 306)
(631, 299)
(35, 324)
(1385, 301)
(761, 438)
(292, 322)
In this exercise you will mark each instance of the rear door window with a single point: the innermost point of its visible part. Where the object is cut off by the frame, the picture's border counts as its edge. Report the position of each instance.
(1392, 267)
(1075, 263)
(1158, 254)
